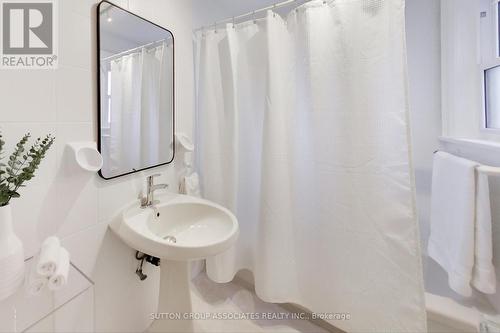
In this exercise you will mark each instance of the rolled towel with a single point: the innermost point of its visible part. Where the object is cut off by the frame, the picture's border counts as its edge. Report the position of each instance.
(35, 282)
(49, 254)
(60, 277)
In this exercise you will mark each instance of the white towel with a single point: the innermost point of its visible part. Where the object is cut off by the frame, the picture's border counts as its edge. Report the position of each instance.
(35, 282)
(49, 254)
(483, 274)
(60, 276)
(490, 324)
(460, 238)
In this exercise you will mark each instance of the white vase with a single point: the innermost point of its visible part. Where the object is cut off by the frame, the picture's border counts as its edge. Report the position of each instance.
(11, 256)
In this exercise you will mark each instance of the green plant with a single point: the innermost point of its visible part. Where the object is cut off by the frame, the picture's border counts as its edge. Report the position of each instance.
(21, 165)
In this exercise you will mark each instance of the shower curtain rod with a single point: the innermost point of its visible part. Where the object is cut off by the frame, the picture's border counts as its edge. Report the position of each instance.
(134, 49)
(253, 12)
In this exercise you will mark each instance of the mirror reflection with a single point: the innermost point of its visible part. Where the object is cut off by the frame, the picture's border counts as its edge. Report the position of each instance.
(136, 92)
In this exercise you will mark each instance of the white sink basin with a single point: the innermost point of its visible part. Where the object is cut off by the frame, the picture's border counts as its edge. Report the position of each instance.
(177, 229)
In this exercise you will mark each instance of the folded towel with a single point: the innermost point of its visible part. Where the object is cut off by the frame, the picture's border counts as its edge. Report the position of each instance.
(460, 238)
(190, 185)
(60, 276)
(49, 254)
(35, 282)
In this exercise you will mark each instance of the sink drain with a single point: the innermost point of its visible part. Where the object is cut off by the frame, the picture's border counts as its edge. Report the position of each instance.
(170, 239)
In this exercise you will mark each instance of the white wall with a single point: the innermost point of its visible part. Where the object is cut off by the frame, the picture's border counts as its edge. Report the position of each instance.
(72, 204)
(423, 33)
(206, 12)
(462, 102)
(469, 45)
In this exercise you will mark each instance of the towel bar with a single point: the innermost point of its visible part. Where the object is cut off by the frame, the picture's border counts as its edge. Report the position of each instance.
(489, 170)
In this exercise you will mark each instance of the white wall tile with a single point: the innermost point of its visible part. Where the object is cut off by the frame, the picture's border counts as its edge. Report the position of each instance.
(85, 247)
(77, 196)
(63, 200)
(27, 95)
(81, 7)
(77, 199)
(117, 193)
(75, 42)
(77, 315)
(144, 8)
(34, 216)
(123, 3)
(126, 305)
(45, 325)
(74, 96)
(122, 301)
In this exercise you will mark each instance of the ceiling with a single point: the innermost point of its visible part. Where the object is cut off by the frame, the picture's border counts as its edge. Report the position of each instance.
(121, 31)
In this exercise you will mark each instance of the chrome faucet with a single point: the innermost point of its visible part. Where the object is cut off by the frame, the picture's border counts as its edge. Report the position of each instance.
(148, 200)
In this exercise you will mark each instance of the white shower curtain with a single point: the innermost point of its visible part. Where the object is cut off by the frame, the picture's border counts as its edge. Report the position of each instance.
(141, 83)
(302, 131)
(125, 133)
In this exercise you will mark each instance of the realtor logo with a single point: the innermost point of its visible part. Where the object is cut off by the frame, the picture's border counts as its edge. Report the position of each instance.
(28, 34)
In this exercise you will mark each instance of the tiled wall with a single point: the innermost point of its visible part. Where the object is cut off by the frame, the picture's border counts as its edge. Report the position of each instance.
(70, 203)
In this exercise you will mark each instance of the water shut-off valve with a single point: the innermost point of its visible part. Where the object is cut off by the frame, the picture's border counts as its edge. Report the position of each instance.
(145, 257)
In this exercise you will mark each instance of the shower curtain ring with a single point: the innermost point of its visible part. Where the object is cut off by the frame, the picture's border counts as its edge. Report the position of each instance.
(254, 18)
(215, 26)
(234, 25)
(274, 10)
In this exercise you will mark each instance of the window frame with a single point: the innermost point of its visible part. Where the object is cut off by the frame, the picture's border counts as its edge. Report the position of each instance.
(489, 57)
(484, 108)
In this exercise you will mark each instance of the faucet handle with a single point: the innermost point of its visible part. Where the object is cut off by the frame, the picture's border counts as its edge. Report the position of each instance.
(150, 179)
(142, 199)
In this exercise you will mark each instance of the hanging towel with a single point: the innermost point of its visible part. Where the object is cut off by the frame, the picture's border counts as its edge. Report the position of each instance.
(460, 239)
(483, 274)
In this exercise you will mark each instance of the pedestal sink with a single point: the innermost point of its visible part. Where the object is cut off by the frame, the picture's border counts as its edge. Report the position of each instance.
(178, 229)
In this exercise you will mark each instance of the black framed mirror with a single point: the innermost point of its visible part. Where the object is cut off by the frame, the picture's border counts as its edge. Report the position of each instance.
(135, 92)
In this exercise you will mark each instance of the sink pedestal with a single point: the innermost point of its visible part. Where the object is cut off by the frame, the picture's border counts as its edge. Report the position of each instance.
(180, 229)
(174, 305)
